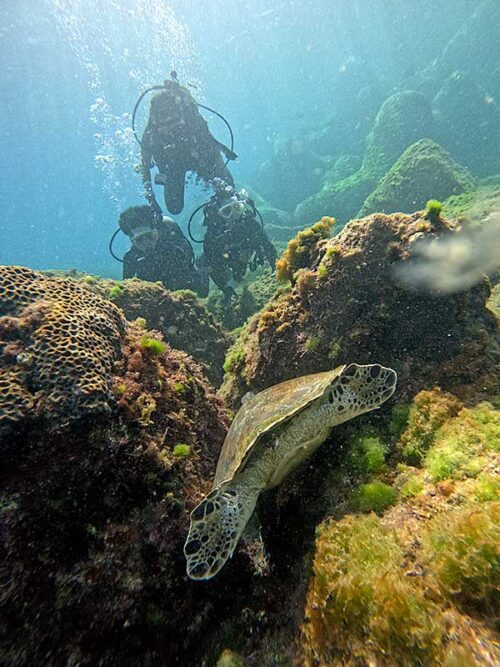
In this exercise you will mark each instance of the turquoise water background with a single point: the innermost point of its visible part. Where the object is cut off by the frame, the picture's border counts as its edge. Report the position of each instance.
(72, 70)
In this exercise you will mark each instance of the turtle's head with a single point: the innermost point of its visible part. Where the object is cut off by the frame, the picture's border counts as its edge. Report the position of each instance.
(358, 389)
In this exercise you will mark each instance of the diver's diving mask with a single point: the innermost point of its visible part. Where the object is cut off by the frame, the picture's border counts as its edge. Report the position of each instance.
(144, 238)
(232, 210)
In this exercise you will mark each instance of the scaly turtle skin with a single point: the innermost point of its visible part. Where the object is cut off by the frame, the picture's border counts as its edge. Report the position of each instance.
(271, 434)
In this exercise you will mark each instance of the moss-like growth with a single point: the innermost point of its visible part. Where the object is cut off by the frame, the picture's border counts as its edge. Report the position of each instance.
(230, 659)
(366, 453)
(399, 419)
(298, 252)
(461, 443)
(141, 322)
(374, 497)
(115, 292)
(153, 345)
(360, 603)
(428, 412)
(411, 487)
(486, 487)
(120, 389)
(235, 356)
(475, 205)
(433, 210)
(462, 549)
(181, 450)
(312, 343)
(89, 280)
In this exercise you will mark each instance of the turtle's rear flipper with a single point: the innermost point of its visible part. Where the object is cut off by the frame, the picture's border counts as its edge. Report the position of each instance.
(216, 526)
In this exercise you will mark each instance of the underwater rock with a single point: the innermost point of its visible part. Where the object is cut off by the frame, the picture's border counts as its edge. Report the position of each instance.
(468, 123)
(403, 119)
(347, 303)
(58, 344)
(424, 171)
(94, 514)
(278, 224)
(475, 206)
(180, 316)
(419, 583)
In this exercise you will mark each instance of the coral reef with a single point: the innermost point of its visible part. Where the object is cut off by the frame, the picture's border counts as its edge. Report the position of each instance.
(403, 119)
(58, 344)
(423, 171)
(180, 316)
(349, 300)
(94, 513)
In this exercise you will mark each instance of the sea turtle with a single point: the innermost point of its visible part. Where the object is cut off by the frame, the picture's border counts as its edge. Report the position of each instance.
(272, 433)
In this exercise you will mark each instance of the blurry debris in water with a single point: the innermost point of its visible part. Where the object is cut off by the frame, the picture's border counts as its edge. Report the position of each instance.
(455, 263)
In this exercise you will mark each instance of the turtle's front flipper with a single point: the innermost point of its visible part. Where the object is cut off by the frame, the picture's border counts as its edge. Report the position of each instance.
(216, 526)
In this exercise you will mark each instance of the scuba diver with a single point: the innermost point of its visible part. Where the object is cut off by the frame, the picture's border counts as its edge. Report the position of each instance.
(160, 251)
(177, 140)
(235, 239)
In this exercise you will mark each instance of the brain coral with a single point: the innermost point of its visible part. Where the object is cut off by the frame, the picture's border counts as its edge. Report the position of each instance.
(58, 344)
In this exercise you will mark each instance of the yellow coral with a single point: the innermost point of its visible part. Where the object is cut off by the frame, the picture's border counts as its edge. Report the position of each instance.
(297, 253)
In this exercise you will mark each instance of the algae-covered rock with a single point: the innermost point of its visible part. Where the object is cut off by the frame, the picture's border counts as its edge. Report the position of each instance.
(94, 513)
(475, 206)
(347, 303)
(403, 119)
(424, 171)
(180, 316)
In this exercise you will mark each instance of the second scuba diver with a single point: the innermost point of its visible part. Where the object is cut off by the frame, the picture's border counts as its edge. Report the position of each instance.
(177, 140)
(235, 239)
(160, 251)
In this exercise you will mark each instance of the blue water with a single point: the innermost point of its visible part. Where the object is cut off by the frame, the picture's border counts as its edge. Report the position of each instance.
(71, 71)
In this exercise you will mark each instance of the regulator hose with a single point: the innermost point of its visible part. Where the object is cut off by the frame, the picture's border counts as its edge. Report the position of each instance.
(110, 246)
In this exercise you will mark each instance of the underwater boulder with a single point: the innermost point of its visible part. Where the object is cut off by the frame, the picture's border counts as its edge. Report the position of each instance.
(424, 171)
(403, 119)
(95, 503)
(347, 303)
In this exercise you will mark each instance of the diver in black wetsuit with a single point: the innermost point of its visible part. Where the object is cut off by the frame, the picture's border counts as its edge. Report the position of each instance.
(235, 239)
(177, 140)
(160, 251)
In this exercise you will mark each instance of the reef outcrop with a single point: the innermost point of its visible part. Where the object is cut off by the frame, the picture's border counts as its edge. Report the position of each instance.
(180, 316)
(424, 171)
(347, 303)
(122, 438)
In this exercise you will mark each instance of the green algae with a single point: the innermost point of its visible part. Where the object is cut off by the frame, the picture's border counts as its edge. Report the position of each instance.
(367, 453)
(462, 548)
(181, 450)
(375, 496)
(461, 444)
(153, 345)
